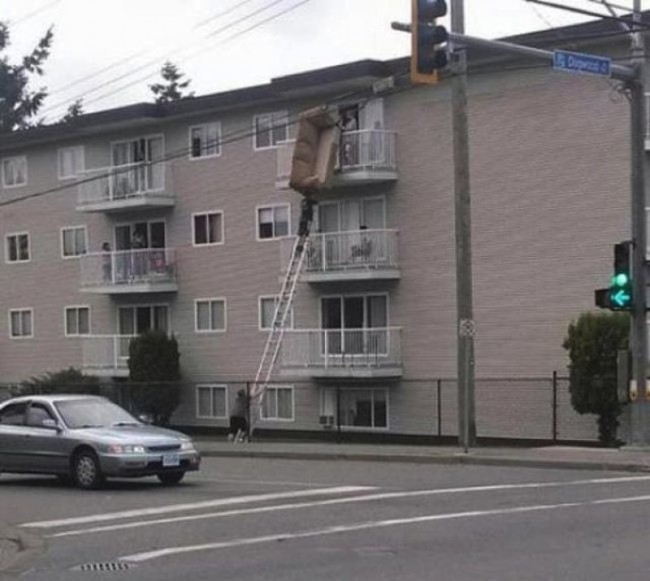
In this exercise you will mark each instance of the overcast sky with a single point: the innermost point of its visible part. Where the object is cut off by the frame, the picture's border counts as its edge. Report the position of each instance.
(109, 51)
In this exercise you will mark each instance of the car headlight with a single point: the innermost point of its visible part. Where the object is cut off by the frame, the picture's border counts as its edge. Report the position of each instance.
(187, 445)
(128, 449)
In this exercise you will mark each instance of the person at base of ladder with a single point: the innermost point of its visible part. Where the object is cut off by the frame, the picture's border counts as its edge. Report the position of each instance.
(238, 418)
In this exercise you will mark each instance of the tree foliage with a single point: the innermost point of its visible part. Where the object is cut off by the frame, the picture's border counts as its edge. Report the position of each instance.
(593, 342)
(19, 104)
(154, 370)
(74, 110)
(172, 87)
(69, 380)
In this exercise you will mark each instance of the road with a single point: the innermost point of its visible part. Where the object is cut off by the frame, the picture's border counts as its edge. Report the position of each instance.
(256, 519)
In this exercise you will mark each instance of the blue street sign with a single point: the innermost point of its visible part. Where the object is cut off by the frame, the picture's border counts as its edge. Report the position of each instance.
(576, 62)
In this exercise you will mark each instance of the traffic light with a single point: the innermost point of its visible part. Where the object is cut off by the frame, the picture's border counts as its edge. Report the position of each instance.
(618, 297)
(620, 292)
(426, 36)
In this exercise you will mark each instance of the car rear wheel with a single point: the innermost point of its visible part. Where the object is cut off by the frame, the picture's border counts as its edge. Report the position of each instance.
(86, 471)
(170, 478)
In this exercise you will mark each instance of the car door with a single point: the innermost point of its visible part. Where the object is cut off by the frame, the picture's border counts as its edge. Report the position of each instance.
(44, 444)
(12, 436)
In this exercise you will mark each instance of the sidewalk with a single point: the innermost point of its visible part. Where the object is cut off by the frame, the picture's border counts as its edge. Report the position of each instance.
(569, 457)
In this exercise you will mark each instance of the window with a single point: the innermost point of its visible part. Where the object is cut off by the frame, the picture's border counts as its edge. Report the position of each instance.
(70, 162)
(205, 141)
(77, 321)
(271, 129)
(210, 315)
(14, 414)
(267, 311)
(273, 222)
(73, 241)
(211, 401)
(278, 403)
(20, 323)
(364, 408)
(207, 228)
(37, 414)
(14, 172)
(17, 247)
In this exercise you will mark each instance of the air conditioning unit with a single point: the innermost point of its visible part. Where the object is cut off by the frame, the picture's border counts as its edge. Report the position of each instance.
(326, 421)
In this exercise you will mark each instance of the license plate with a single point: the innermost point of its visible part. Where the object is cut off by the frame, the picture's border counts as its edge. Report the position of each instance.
(170, 460)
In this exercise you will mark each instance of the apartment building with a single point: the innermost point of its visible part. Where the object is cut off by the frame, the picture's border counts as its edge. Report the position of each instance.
(178, 217)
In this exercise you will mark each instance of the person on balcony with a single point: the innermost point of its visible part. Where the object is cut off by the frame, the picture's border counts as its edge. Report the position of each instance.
(348, 148)
(107, 262)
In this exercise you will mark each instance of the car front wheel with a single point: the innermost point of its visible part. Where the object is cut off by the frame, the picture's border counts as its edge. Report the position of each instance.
(170, 478)
(86, 471)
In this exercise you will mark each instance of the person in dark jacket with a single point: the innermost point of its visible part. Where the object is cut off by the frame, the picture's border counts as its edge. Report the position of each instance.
(239, 418)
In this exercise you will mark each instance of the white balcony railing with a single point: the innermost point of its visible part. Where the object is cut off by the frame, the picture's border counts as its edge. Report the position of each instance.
(149, 266)
(121, 183)
(367, 150)
(342, 348)
(106, 353)
(334, 251)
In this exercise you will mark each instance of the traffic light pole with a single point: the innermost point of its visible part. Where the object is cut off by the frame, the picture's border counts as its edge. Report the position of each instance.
(464, 301)
(640, 409)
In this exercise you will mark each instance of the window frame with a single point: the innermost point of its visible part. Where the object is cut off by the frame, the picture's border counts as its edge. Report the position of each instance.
(65, 320)
(207, 214)
(21, 311)
(268, 394)
(204, 126)
(212, 387)
(18, 259)
(259, 208)
(74, 228)
(275, 298)
(22, 159)
(210, 300)
(80, 156)
(338, 419)
(272, 115)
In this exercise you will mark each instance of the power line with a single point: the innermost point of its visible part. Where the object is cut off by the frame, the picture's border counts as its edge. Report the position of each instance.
(35, 12)
(152, 62)
(117, 63)
(197, 53)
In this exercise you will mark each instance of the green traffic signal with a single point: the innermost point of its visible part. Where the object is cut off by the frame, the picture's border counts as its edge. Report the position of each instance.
(620, 279)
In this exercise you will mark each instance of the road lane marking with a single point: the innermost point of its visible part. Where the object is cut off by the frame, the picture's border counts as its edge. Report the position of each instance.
(47, 524)
(170, 551)
(345, 500)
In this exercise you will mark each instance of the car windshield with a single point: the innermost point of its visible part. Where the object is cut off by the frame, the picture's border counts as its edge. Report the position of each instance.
(93, 413)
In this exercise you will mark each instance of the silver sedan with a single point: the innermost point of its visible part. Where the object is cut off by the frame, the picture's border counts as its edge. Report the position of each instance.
(88, 438)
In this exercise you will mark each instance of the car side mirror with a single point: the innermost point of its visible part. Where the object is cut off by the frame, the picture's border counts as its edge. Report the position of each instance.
(146, 419)
(50, 425)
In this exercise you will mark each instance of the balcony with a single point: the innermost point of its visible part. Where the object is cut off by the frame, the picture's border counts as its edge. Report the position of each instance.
(365, 157)
(344, 256)
(138, 186)
(343, 353)
(106, 355)
(151, 270)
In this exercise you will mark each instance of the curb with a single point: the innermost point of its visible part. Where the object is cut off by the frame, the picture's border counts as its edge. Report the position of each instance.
(457, 459)
(28, 546)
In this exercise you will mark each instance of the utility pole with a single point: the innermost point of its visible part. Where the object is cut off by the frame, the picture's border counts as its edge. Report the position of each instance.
(640, 409)
(464, 309)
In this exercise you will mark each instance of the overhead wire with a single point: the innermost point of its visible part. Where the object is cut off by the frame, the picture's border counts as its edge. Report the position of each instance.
(129, 58)
(36, 12)
(156, 61)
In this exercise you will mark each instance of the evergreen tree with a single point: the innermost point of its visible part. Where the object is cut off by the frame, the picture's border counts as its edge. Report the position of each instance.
(19, 104)
(74, 110)
(593, 342)
(172, 87)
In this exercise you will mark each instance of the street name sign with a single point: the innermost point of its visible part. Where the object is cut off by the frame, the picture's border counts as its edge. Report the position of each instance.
(576, 62)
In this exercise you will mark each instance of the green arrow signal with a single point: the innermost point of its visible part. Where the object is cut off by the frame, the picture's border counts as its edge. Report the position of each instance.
(621, 298)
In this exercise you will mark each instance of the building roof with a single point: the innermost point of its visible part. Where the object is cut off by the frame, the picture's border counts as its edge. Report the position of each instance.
(349, 76)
